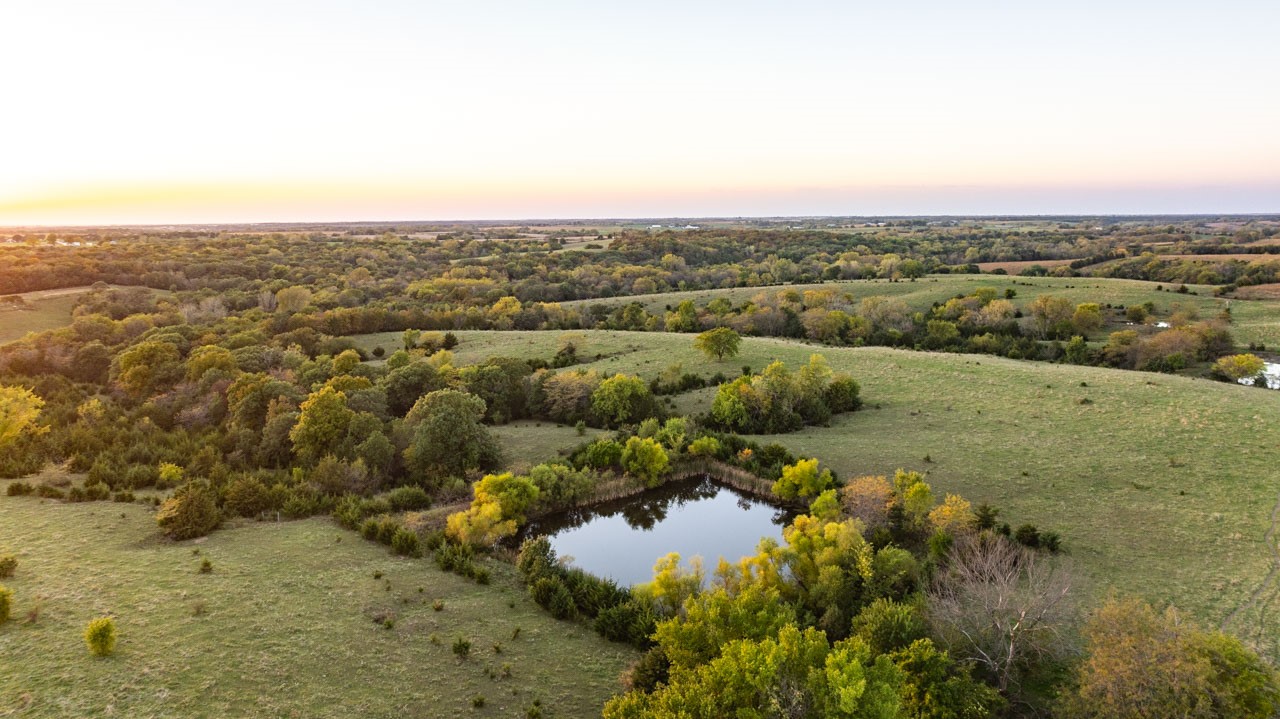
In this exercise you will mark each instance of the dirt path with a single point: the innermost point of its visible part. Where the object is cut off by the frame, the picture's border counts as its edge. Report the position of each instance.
(1269, 539)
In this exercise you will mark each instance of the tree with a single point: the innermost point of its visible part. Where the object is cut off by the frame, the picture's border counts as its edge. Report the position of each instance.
(209, 357)
(1142, 663)
(622, 399)
(1077, 350)
(293, 299)
(1237, 367)
(1049, 312)
(1087, 318)
(646, 459)
(147, 366)
(1002, 606)
(955, 514)
(448, 437)
(322, 425)
(497, 510)
(19, 408)
(868, 499)
(718, 343)
(803, 479)
(795, 673)
(405, 384)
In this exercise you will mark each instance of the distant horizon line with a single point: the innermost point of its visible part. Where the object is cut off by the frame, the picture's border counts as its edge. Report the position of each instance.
(642, 219)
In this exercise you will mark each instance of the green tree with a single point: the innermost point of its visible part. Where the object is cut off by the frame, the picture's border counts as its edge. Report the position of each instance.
(683, 319)
(718, 343)
(145, 367)
(322, 425)
(622, 399)
(448, 437)
(645, 459)
(1077, 350)
(796, 673)
(209, 357)
(1087, 318)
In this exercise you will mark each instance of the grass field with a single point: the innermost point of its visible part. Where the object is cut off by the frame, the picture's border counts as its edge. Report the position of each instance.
(286, 627)
(45, 314)
(1160, 485)
(1013, 267)
(527, 442)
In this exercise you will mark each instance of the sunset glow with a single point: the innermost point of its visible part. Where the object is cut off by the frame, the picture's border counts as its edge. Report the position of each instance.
(140, 112)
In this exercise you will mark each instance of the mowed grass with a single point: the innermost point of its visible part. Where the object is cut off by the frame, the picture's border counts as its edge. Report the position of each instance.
(529, 442)
(45, 314)
(286, 628)
(1160, 485)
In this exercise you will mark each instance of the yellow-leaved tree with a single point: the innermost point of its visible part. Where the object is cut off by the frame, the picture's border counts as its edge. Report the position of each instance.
(19, 408)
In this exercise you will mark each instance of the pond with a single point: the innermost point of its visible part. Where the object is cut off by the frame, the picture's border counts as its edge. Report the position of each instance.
(697, 517)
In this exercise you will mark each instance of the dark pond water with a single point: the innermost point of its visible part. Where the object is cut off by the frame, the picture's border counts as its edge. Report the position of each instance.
(623, 539)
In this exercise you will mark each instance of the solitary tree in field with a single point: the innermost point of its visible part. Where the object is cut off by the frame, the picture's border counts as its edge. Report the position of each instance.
(719, 343)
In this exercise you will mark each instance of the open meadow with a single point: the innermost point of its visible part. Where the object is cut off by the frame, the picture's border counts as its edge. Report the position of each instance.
(291, 622)
(41, 311)
(1161, 485)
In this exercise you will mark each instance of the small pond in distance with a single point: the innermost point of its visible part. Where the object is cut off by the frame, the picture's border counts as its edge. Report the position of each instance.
(622, 539)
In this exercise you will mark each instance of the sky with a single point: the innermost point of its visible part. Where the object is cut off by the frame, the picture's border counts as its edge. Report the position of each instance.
(347, 110)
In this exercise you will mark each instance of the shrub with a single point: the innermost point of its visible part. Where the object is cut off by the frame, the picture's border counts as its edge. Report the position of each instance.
(407, 499)
(100, 636)
(8, 563)
(6, 604)
(191, 512)
(592, 594)
(462, 647)
(49, 492)
(551, 594)
(633, 622)
(649, 671)
(19, 489)
(1028, 536)
(602, 454)
(352, 512)
(405, 542)
(536, 560)
(387, 528)
(247, 497)
(140, 476)
(206, 567)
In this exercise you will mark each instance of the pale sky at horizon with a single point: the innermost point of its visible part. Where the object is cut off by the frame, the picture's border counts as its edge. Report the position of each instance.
(239, 111)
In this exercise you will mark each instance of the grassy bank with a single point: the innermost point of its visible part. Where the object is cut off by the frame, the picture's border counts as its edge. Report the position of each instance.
(283, 626)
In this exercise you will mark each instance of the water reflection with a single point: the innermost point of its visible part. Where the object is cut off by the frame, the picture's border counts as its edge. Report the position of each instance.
(622, 539)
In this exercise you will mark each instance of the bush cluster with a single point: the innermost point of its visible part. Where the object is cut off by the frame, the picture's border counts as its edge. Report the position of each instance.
(570, 593)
